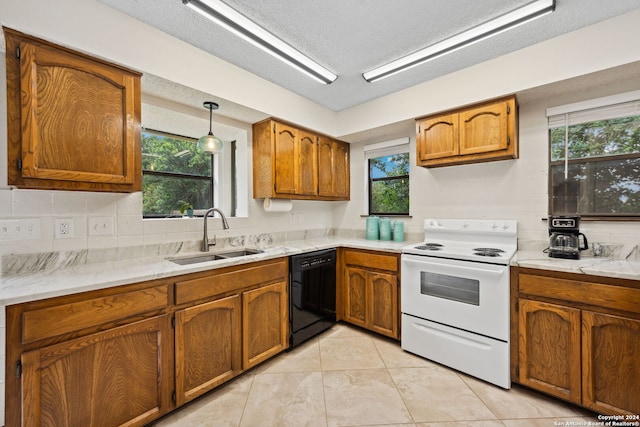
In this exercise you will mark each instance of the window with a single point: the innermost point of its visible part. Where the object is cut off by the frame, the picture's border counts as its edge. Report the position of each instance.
(174, 172)
(594, 162)
(388, 178)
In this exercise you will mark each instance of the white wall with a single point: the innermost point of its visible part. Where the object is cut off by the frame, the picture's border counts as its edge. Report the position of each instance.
(510, 189)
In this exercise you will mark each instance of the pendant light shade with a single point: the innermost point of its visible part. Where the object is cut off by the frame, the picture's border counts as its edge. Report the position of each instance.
(210, 143)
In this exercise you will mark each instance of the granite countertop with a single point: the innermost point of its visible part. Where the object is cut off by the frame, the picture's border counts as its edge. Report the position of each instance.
(624, 265)
(26, 287)
(67, 280)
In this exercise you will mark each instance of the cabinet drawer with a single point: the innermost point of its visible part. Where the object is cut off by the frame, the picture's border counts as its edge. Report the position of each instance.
(229, 281)
(596, 294)
(64, 318)
(372, 260)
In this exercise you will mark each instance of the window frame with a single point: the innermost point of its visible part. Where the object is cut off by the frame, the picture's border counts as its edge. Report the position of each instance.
(179, 175)
(588, 112)
(388, 148)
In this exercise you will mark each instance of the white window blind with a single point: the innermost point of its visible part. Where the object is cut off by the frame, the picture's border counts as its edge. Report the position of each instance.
(610, 107)
(387, 148)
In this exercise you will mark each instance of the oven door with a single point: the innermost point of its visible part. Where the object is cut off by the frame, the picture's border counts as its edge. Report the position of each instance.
(466, 295)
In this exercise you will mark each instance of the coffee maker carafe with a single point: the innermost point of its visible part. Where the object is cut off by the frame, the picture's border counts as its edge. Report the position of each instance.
(564, 237)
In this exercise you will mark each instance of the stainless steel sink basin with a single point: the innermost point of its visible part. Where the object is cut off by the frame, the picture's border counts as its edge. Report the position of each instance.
(194, 259)
(241, 252)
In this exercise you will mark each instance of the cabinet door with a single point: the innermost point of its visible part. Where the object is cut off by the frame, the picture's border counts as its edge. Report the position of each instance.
(285, 159)
(326, 157)
(79, 121)
(437, 137)
(341, 170)
(549, 348)
(121, 376)
(611, 363)
(208, 346)
(265, 323)
(383, 304)
(307, 164)
(484, 129)
(355, 296)
(333, 168)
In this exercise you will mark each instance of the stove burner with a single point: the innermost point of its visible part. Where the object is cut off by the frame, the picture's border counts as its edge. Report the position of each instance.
(494, 250)
(430, 247)
(487, 253)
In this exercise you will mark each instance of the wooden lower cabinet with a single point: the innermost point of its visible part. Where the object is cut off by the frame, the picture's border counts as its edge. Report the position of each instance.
(611, 363)
(113, 378)
(208, 346)
(579, 338)
(370, 296)
(265, 323)
(127, 355)
(550, 349)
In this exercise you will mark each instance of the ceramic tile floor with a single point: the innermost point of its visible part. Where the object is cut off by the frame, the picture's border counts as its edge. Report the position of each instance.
(349, 377)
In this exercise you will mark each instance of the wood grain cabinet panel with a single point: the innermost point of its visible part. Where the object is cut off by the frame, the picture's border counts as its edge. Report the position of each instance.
(578, 338)
(369, 290)
(293, 163)
(113, 378)
(550, 349)
(356, 301)
(73, 120)
(208, 346)
(333, 168)
(479, 133)
(611, 363)
(265, 323)
(438, 137)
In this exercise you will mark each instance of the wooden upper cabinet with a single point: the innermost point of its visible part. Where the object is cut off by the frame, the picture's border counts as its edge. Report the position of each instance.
(484, 129)
(438, 137)
(307, 164)
(294, 163)
(286, 140)
(333, 168)
(479, 133)
(73, 120)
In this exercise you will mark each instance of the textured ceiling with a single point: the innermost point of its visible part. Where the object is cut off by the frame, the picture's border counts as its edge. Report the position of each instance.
(353, 36)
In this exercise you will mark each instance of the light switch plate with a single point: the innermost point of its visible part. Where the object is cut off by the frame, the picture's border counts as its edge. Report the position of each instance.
(101, 226)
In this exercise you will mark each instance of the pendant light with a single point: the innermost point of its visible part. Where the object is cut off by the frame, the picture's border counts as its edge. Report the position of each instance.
(210, 143)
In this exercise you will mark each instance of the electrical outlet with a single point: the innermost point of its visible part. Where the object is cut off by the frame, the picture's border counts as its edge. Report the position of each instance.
(63, 228)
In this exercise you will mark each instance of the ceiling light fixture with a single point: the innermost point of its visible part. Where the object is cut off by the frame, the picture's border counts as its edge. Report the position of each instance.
(242, 26)
(210, 143)
(502, 23)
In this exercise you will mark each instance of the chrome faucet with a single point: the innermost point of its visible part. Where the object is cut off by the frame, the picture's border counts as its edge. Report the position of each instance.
(205, 238)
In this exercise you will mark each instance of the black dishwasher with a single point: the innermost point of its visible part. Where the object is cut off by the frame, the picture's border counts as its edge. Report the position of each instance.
(312, 294)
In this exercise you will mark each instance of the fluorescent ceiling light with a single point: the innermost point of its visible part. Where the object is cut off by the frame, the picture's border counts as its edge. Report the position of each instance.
(242, 26)
(491, 28)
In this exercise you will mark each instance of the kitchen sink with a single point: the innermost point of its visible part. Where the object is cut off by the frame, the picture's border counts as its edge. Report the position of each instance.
(195, 259)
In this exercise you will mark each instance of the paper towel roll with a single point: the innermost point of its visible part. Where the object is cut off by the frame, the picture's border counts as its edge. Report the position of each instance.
(277, 205)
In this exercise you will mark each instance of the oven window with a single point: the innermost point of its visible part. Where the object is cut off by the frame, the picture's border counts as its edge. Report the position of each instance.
(450, 287)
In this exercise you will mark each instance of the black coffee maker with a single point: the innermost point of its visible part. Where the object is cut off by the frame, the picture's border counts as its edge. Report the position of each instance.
(564, 237)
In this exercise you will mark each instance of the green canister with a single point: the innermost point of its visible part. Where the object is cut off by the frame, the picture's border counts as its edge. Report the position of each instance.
(385, 229)
(372, 228)
(398, 231)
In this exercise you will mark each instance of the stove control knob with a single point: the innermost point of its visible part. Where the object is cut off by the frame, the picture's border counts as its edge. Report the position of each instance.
(494, 225)
(505, 226)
